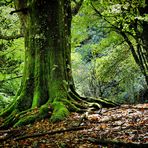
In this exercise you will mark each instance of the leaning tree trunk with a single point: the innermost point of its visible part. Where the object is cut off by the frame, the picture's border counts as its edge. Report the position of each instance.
(143, 53)
(145, 48)
(47, 88)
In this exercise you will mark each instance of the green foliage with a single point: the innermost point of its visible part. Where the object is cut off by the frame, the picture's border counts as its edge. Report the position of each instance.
(2, 101)
(10, 24)
(6, 3)
(106, 66)
(120, 66)
(80, 24)
(11, 52)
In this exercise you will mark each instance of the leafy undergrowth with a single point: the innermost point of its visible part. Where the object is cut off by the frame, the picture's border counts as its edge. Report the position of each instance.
(124, 126)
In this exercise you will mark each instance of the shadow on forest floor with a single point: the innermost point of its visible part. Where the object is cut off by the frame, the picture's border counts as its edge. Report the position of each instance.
(124, 126)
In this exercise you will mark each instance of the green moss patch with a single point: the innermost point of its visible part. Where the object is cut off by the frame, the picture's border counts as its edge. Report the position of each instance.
(60, 111)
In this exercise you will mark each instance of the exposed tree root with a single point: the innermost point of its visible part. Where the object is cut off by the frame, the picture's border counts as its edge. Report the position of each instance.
(17, 118)
(55, 111)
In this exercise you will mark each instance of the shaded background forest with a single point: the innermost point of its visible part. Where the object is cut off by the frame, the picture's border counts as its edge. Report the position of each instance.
(102, 61)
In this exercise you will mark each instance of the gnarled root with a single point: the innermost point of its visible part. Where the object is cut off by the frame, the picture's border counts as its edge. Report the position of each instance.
(55, 111)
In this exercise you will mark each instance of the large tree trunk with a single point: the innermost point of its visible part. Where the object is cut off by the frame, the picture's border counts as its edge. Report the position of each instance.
(47, 87)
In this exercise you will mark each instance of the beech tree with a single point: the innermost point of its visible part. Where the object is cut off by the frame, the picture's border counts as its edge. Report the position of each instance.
(47, 87)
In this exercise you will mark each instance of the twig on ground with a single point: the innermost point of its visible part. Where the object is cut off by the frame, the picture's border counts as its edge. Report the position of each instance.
(75, 128)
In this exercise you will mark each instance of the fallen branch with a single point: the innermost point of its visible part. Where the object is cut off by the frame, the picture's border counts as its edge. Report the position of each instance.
(5, 137)
(7, 134)
(9, 130)
(75, 128)
(106, 142)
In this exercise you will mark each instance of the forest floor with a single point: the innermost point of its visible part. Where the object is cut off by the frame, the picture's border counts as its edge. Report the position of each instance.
(124, 126)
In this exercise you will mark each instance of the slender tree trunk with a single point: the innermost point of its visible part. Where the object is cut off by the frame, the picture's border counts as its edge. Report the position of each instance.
(145, 48)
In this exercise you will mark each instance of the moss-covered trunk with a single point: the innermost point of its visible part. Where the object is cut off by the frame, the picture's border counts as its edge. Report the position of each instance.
(46, 51)
(47, 87)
